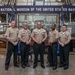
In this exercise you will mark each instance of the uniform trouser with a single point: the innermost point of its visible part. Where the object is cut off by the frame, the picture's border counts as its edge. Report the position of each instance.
(24, 53)
(52, 54)
(39, 49)
(64, 55)
(11, 49)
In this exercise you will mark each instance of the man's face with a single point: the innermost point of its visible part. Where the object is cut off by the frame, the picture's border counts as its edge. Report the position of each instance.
(39, 25)
(13, 24)
(64, 28)
(25, 26)
(53, 27)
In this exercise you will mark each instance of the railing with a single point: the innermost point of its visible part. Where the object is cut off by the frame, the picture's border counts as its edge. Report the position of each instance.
(46, 3)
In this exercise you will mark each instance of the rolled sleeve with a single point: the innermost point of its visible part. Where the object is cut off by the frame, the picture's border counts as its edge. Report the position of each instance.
(57, 35)
(7, 33)
(32, 34)
(19, 35)
(45, 34)
(69, 37)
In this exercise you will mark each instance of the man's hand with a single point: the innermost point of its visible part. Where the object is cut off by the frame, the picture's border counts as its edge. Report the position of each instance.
(27, 42)
(15, 43)
(7, 38)
(50, 44)
(62, 44)
(39, 42)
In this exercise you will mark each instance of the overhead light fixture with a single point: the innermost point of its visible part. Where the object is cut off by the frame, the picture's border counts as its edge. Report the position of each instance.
(60, 0)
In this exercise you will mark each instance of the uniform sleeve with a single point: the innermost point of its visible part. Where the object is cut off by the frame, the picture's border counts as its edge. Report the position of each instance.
(19, 34)
(18, 31)
(7, 33)
(57, 35)
(48, 37)
(69, 36)
(48, 34)
(32, 34)
(45, 34)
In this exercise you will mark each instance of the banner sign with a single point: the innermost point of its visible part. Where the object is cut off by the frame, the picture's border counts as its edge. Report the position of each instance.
(38, 9)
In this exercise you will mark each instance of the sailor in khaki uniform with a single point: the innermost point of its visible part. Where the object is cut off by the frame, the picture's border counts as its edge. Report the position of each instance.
(52, 50)
(25, 38)
(39, 36)
(12, 37)
(64, 39)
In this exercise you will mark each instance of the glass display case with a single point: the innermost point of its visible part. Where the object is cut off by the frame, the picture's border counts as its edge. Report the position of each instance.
(3, 42)
(32, 19)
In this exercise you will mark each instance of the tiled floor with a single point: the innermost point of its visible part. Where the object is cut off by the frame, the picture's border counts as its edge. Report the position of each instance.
(37, 71)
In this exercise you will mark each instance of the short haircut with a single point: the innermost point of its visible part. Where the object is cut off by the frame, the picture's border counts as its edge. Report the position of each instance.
(65, 25)
(24, 23)
(54, 25)
(13, 21)
(38, 22)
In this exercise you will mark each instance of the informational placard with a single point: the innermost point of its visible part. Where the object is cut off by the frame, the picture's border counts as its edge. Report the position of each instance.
(38, 9)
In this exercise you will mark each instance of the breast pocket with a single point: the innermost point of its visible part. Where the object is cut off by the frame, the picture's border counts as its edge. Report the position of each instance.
(36, 33)
(23, 34)
(42, 32)
(54, 35)
(29, 33)
(11, 33)
(66, 36)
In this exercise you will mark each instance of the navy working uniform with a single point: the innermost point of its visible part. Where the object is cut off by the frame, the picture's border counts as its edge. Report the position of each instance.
(25, 34)
(52, 50)
(39, 35)
(64, 50)
(12, 35)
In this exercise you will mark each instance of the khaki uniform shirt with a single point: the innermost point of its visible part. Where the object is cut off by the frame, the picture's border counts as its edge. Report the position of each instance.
(12, 33)
(24, 34)
(52, 35)
(39, 34)
(64, 36)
